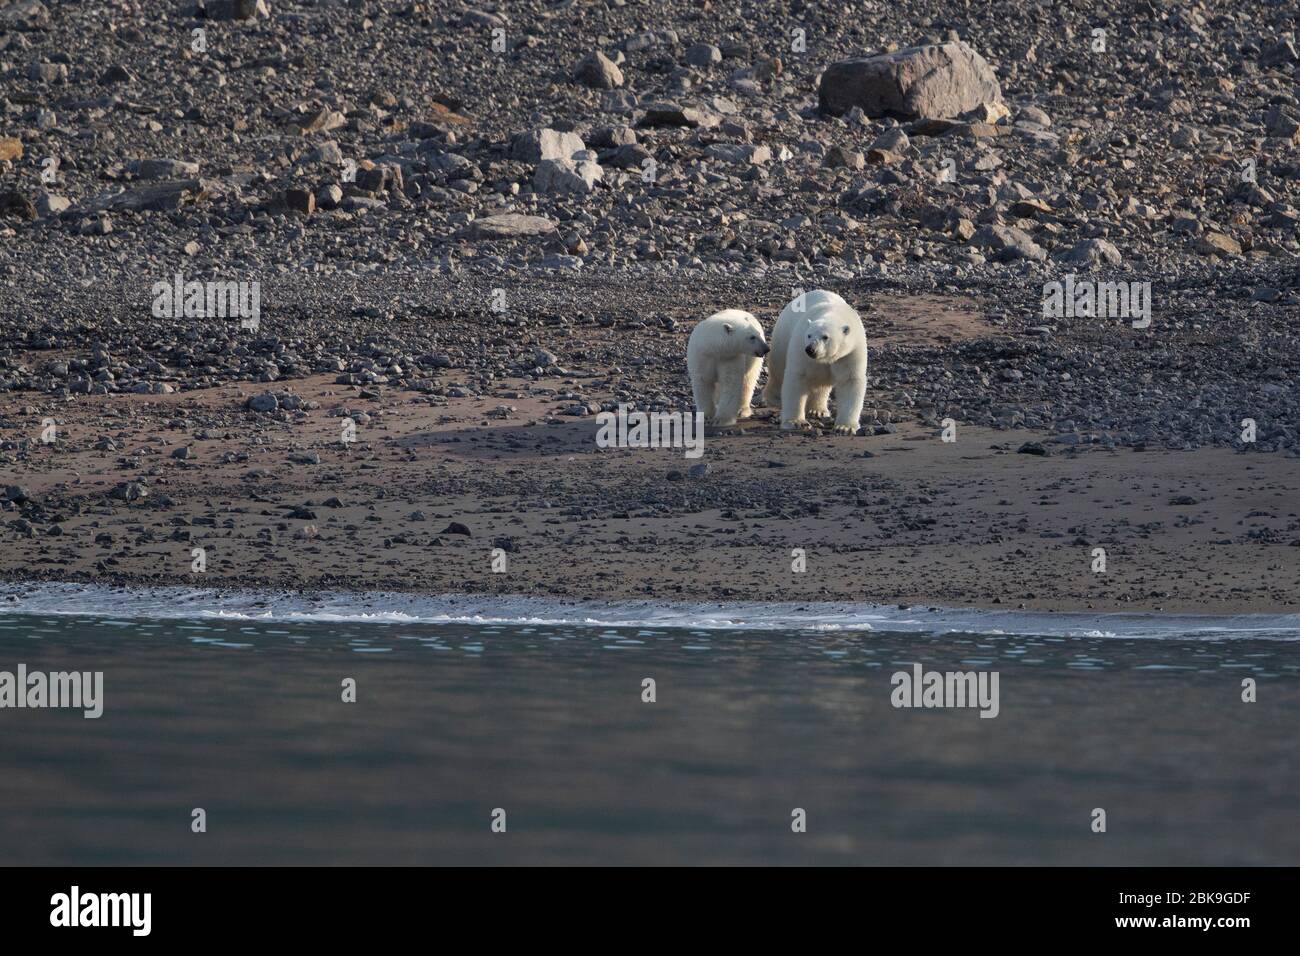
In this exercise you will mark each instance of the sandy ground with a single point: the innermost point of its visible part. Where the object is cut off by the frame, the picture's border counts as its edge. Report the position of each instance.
(897, 518)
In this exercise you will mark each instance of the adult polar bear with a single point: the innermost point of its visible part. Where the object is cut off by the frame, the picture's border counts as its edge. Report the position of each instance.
(724, 356)
(818, 345)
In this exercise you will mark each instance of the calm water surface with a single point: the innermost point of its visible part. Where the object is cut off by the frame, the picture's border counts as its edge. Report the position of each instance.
(547, 722)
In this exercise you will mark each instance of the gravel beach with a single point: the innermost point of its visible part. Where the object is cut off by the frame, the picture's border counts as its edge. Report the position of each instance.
(469, 230)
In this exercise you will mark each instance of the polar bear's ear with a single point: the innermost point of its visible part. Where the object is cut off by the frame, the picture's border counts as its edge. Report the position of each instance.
(727, 326)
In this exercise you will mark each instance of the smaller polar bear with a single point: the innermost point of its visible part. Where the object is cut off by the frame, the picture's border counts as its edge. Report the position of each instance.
(724, 356)
(818, 344)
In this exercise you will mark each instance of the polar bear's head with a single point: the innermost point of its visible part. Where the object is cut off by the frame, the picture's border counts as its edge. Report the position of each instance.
(825, 338)
(745, 334)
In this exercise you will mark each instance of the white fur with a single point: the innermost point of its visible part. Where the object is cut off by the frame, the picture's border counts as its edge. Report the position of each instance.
(802, 383)
(724, 356)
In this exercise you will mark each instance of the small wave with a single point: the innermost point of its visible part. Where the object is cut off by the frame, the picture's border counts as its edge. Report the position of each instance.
(396, 608)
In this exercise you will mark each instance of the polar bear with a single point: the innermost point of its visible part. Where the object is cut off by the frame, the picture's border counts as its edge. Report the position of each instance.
(818, 344)
(724, 356)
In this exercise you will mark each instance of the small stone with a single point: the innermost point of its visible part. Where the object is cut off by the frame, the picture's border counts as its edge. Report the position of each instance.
(129, 491)
(702, 55)
(1009, 243)
(1032, 114)
(598, 72)
(265, 402)
(565, 176)
(15, 204)
(508, 226)
(164, 168)
(17, 494)
(300, 200)
(670, 114)
(1092, 252)
(1217, 244)
(540, 144)
(236, 9)
(837, 157)
(114, 75)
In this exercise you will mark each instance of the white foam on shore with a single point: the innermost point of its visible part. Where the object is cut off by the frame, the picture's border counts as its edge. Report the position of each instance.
(379, 607)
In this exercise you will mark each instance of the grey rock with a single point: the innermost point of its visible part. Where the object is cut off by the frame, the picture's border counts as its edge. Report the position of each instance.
(17, 494)
(670, 114)
(129, 491)
(1008, 243)
(265, 402)
(508, 226)
(162, 196)
(564, 176)
(933, 81)
(598, 72)
(703, 54)
(1092, 252)
(540, 144)
(164, 169)
(236, 9)
(24, 15)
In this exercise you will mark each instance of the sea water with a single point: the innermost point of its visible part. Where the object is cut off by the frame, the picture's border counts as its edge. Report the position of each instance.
(765, 720)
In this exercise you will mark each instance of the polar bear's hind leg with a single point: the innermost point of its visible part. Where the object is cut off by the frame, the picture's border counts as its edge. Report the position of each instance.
(703, 378)
(775, 375)
(731, 376)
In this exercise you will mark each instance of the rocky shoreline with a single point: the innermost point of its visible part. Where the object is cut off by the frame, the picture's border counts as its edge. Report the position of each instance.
(470, 229)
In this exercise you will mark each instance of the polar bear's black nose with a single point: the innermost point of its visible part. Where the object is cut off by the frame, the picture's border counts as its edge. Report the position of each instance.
(766, 349)
(810, 352)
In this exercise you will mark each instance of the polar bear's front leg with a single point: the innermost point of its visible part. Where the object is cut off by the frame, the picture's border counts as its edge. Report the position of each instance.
(794, 397)
(849, 395)
(819, 402)
(703, 379)
(754, 365)
(731, 375)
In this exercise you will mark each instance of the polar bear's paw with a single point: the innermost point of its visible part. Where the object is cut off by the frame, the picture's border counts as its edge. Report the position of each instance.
(819, 413)
(845, 430)
(745, 413)
(798, 424)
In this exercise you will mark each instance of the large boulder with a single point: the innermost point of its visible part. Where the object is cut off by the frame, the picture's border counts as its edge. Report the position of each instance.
(934, 81)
